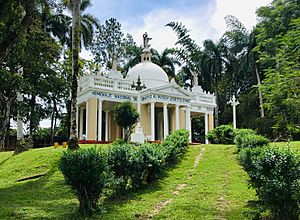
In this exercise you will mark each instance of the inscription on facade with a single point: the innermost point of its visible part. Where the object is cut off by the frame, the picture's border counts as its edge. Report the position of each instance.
(132, 98)
(114, 96)
(165, 98)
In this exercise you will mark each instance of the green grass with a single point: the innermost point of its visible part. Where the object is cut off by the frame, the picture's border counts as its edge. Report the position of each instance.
(215, 189)
(218, 188)
(295, 144)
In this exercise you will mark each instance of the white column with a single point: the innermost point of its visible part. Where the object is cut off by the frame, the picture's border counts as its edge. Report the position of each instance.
(106, 125)
(139, 102)
(152, 121)
(99, 120)
(109, 125)
(206, 127)
(177, 116)
(81, 124)
(188, 121)
(234, 115)
(166, 121)
(138, 127)
(87, 119)
(234, 102)
(77, 115)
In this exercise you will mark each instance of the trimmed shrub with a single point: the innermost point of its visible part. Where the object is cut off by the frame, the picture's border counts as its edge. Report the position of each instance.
(275, 174)
(121, 162)
(154, 161)
(86, 171)
(247, 156)
(134, 166)
(248, 138)
(175, 144)
(223, 134)
(239, 135)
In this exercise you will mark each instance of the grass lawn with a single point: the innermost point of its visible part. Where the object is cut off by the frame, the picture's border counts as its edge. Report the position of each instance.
(213, 187)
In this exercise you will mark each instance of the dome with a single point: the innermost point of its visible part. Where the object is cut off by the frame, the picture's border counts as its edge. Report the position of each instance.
(150, 73)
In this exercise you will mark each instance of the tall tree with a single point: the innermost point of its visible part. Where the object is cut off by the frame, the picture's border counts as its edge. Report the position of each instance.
(83, 25)
(241, 44)
(76, 29)
(110, 46)
(212, 66)
(278, 48)
(37, 52)
(61, 24)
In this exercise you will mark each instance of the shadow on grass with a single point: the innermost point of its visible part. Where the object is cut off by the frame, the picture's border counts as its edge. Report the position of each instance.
(3, 161)
(42, 198)
(48, 197)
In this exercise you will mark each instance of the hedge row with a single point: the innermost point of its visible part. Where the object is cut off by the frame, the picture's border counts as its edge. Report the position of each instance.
(274, 174)
(225, 134)
(247, 138)
(120, 167)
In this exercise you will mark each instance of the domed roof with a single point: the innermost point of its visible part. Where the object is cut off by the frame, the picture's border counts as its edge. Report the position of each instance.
(150, 73)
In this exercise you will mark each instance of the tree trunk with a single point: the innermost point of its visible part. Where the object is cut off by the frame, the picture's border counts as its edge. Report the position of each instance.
(73, 142)
(51, 127)
(5, 104)
(262, 112)
(7, 131)
(55, 119)
(20, 134)
(32, 122)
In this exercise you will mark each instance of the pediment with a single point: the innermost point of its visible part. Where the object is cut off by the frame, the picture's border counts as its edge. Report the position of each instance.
(171, 89)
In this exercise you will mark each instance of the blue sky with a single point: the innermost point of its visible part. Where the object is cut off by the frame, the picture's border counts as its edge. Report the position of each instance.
(205, 18)
(132, 9)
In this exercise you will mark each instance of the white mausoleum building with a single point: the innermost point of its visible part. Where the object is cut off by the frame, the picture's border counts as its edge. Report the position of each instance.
(163, 106)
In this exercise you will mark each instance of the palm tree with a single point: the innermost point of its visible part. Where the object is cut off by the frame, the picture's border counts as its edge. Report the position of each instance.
(212, 66)
(241, 43)
(61, 25)
(75, 32)
(166, 61)
(189, 53)
(73, 142)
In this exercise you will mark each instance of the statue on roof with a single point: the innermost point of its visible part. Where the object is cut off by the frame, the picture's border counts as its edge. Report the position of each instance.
(195, 78)
(146, 41)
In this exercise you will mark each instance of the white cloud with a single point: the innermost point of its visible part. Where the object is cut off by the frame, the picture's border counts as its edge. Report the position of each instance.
(205, 22)
(244, 10)
(154, 23)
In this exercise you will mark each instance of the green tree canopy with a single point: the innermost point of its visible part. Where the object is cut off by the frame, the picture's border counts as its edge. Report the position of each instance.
(126, 117)
(110, 45)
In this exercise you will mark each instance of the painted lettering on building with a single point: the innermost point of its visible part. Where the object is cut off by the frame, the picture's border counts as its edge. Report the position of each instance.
(114, 96)
(165, 98)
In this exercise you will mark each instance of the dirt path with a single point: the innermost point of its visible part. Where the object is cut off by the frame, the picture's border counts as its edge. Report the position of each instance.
(222, 203)
(155, 211)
